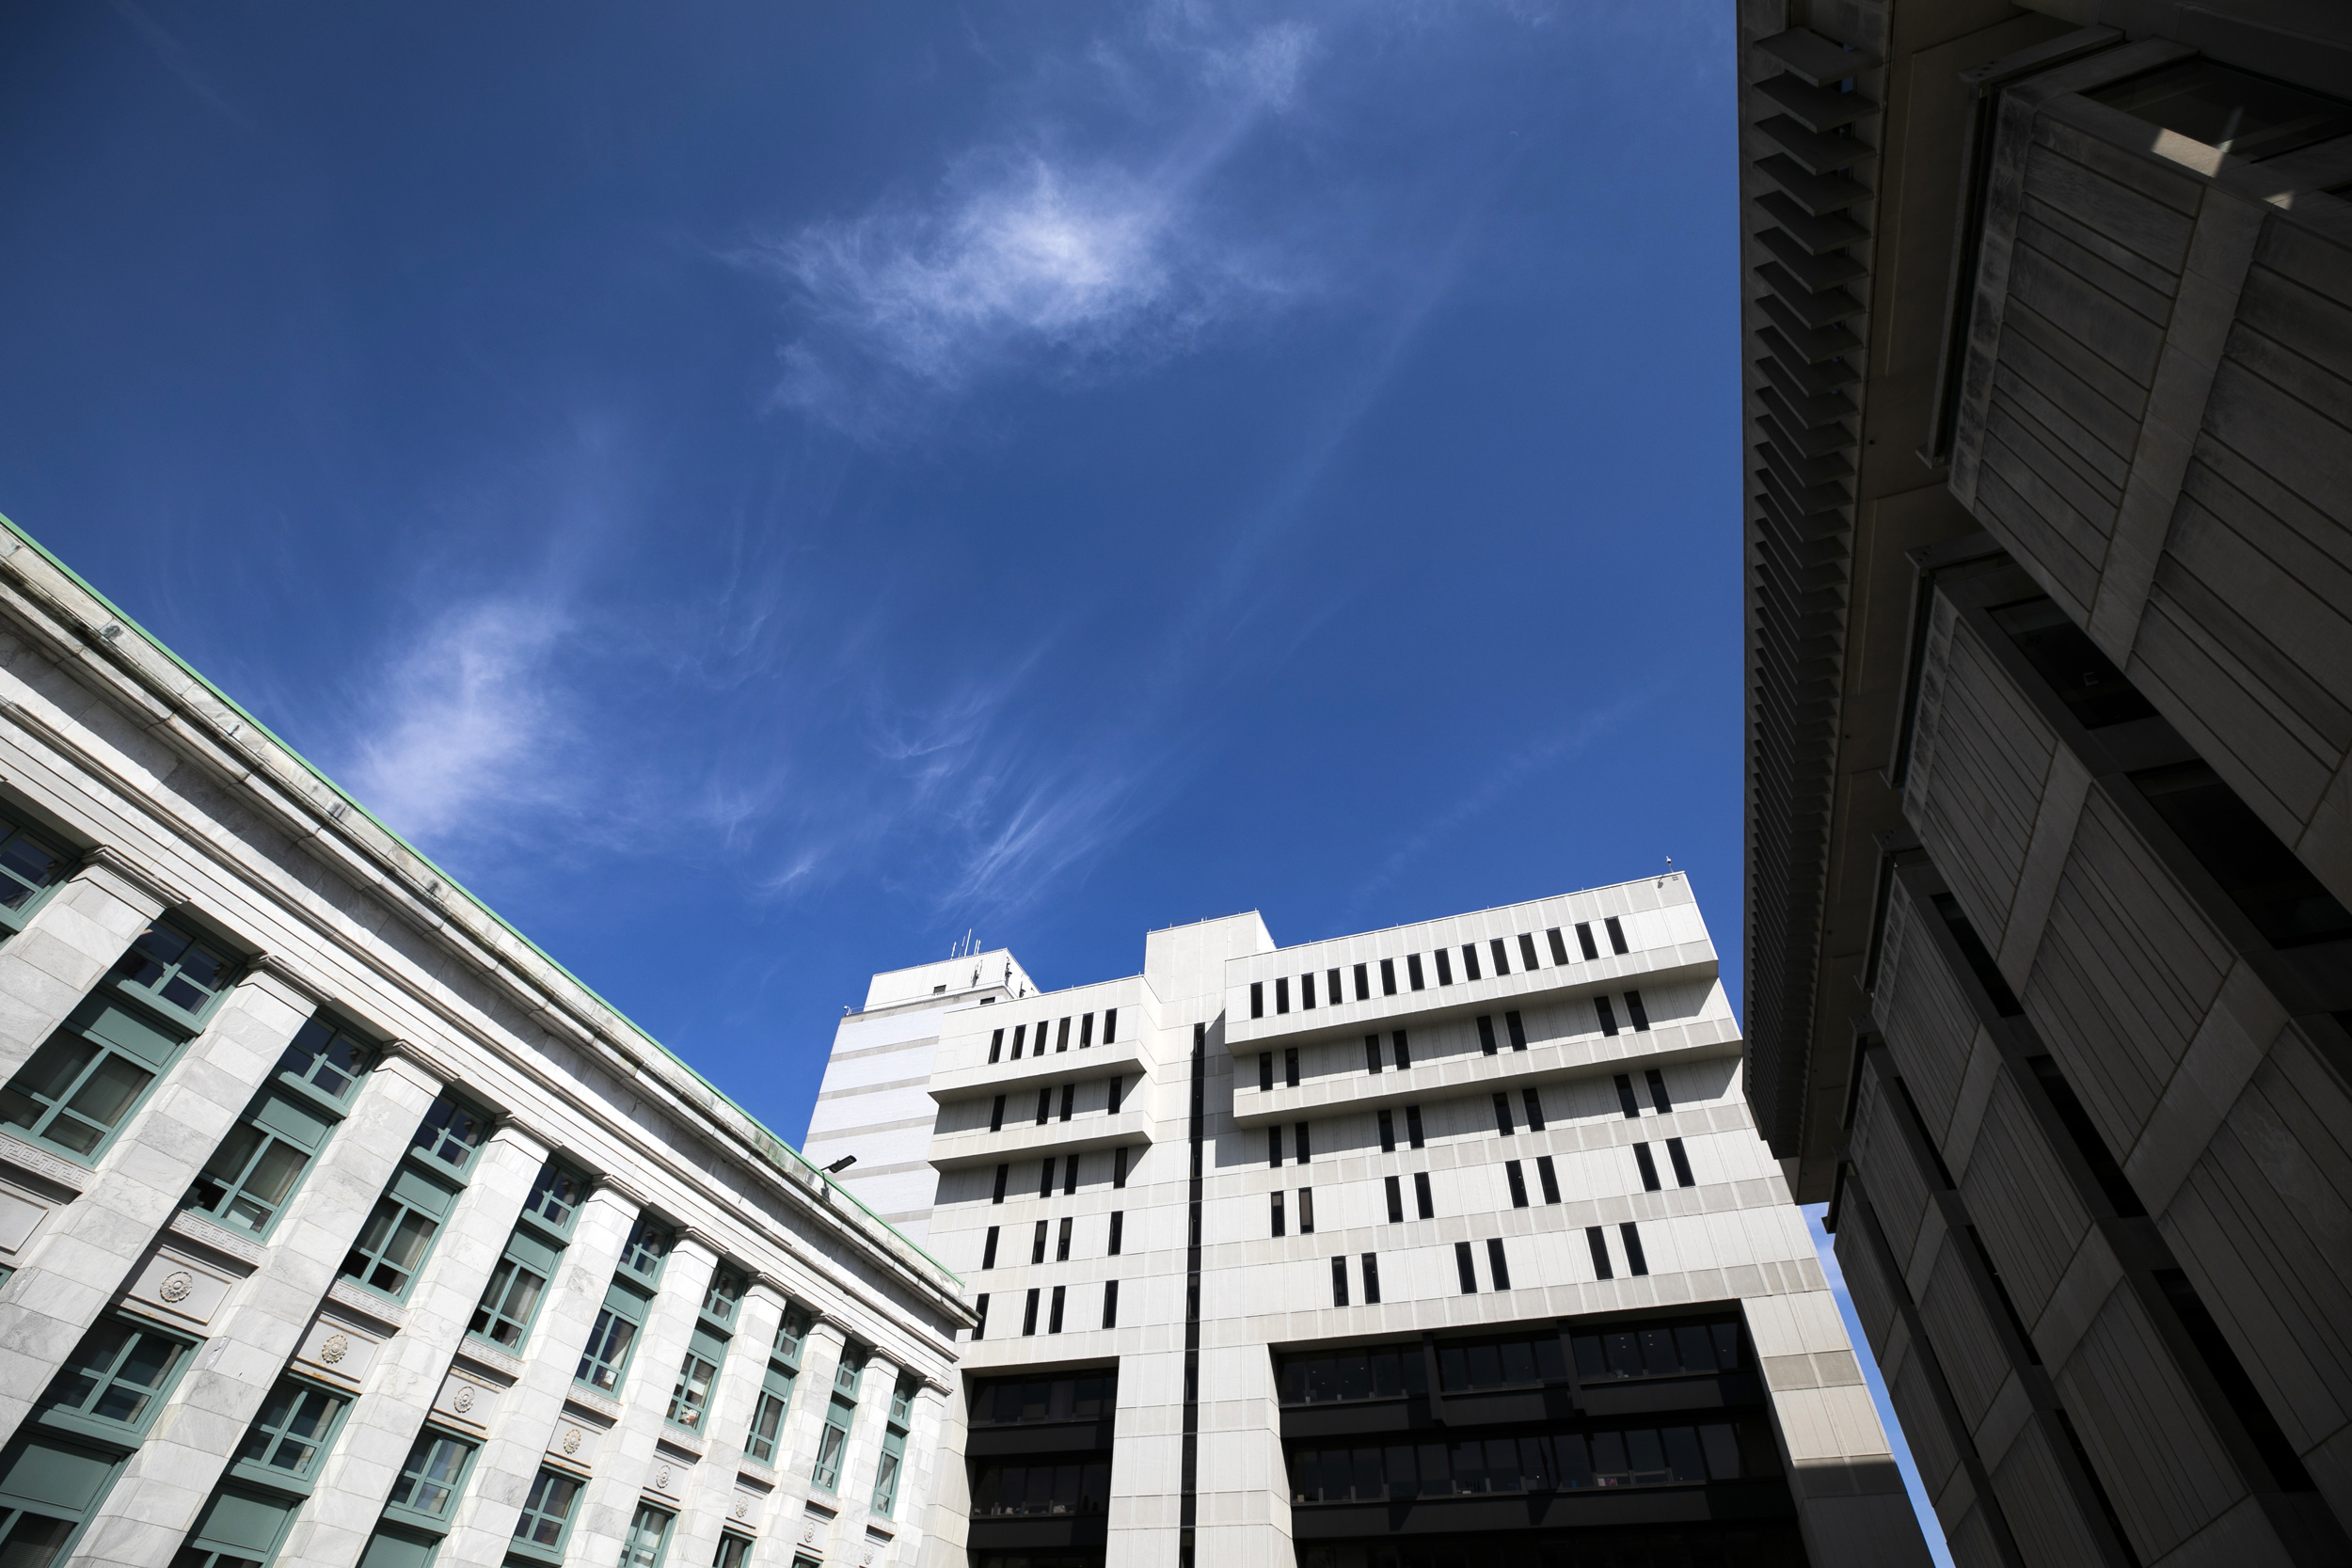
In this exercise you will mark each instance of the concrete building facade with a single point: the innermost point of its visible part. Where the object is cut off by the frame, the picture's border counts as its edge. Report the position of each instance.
(1442, 1245)
(339, 1225)
(2048, 316)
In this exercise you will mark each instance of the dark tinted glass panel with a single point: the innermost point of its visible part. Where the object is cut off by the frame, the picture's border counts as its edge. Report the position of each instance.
(2246, 115)
(2262, 875)
(2085, 679)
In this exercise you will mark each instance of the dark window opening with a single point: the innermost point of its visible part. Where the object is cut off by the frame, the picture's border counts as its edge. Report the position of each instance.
(1547, 1178)
(1363, 984)
(1028, 1314)
(1052, 1321)
(1598, 1241)
(1062, 1240)
(1498, 1268)
(1002, 1173)
(1979, 959)
(1275, 1210)
(1616, 934)
(1469, 961)
(1289, 1066)
(1465, 1268)
(2249, 117)
(1372, 1053)
(1656, 1080)
(1282, 995)
(995, 1046)
(1423, 1204)
(1626, 1101)
(1634, 1010)
(1584, 940)
(2261, 876)
(1339, 1281)
(1527, 952)
(1681, 1163)
(996, 1116)
(1649, 1165)
(1388, 977)
(1395, 1191)
(1534, 1104)
(1517, 1180)
(1257, 999)
(1404, 1057)
(1445, 966)
(1306, 1211)
(1608, 1014)
(1045, 1180)
(2093, 1147)
(1069, 1100)
(1274, 1147)
(2246, 1401)
(1110, 1304)
(1265, 1072)
(1485, 1035)
(1372, 1279)
(1388, 1134)
(1503, 1115)
(1635, 1260)
(1412, 1125)
(1559, 947)
(1501, 955)
(1119, 1231)
(988, 1254)
(1037, 1245)
(1518, 1031)
(1299, 1140)
(1412, 971)
(1306, 992)
(2062, 654)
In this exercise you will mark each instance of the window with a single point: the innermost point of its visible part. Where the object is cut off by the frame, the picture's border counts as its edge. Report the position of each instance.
(239, 1530)
(1020, 1033)
(1257, 999)
(28, 869)
(979, 1328)
(791, 1336)
(1527, 952)
(1397, 1047)
(1469, 961)
(1445, 966)
(1372, 1279)
(1045, 1106)
(839, 1413)
(1046, 1177)
(894, 1449)
(1289, 1066)
(1062, 1242)
(996, 1116)
(1634, 1259)
(1656, 1349)
(2246, 115)
(1070, 1177)
(1053, 1316)
(1281, 995)
(1110, 1304)
(1388, 977)
(1047, 1488)
(1339, 1281)
(1373, 1373)
(735, 1551)
(555, 1198)
(1118, 1167)
(1559, 948)
(1501, 956)
(547, 1514)
(1648, 1167)
(1464, 1268)
(1547, 1462)
(697, 1372)
(1598, 1241)
(1118, 1092)
(116, 1380)
(1069, 1100)
(1110, 1023)
(80, 1086)
(1363, 984)
(1495, 1264)
(648, 1536)
(450, 1134)
(1061, 1035)
(1079, 1396)
(247, 1181)
(1626, 1101)
(1037, 1245)
(1372, 1053)
(432, 1478)
(1396, 1199)
(1086, 1031)
(1119, 1230)
(1657, 1081)
(511, 1300)
(170, 966)
(1412, 971)
(1547, 1178)
(1519, 1030)
(1681, 1163)
(1616, 934)
(2287, 905)
(399, 1234)
(1503, 1115)
(1279, 1230)
(988, 1253)
(1608, 1015)
(1388, 1134)
(999, 1195)
(1265, 1072)
(1028, 1314)
(1412, 1125)
(1535, 1104)
(1299, 1143)
(1519, 1183)
(605, 1360)
(327, 1059)
(1306, 1211)
(1421, 1203)
(776, 1401)
(293, 1431)
(1331, 986)
(1274, 1146)
(1485, 1035)
(1584, 940)
(995, 1047)
(1634, 1010)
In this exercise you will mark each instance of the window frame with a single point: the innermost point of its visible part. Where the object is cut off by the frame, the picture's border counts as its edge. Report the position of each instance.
(108, 1431)
(14, 917)
(545, 1188)
(625, 1303)
(259, 1472)
(233, 1191)
(526, 1240)
(708, 1349)
(87, 1026)
(419, 1519)
(547, 1552)
(633, 1554)
(411, 1191)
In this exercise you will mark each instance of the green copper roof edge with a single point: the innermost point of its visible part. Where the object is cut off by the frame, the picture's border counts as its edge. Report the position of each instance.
(344, 795)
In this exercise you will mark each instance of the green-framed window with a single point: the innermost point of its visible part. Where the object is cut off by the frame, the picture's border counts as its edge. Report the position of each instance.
(244, 1185)
(431, 1481)
(171, 967)
(399, 1234)
(647, 1249)
(449, 1137)
(775, 1402)
(86, 1079)
(116, 1380)
(724, 1298)
(326, 1060)
(48, 1490)
(735, 1551)
(29, 868)
(610, 1342)
(697, 1376)
(791, 1336)
(518, 1285)
(392, 1547)
(648, 1540)
(239, 1530)
(834, 1444)
(546, 1518)
(849, 1370)
(290, 1436)
(894, 1447)
(555, 1199)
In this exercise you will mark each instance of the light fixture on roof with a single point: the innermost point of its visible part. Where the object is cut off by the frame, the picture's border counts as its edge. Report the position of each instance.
(841, 1164)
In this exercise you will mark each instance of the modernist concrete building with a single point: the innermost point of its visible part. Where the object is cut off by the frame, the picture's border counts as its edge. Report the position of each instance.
(2049, 374)
(1441, 1246)
(341, 1226)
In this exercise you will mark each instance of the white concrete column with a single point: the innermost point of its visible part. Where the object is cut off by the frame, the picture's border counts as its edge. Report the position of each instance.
(409, 1369)
(709, 1497)
(155, 1502)
(820, 1358)
(865, 1432)
(83, 1252)
(67, 946)
(630, 1460)
(947, 1512)
(530, 1412)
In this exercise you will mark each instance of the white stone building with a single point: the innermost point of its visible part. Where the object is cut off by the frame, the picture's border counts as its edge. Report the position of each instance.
(339, 1225)
(1445, 1245)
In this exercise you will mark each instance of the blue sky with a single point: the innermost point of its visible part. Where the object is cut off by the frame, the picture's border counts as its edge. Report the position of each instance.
(760, 490)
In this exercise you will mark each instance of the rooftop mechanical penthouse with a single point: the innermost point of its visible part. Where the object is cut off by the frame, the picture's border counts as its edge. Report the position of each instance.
(1447, 1244)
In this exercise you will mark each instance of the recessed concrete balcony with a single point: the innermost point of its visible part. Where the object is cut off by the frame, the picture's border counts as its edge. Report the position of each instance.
(1036, 1072)
(1552, 1062)
(1027, 1140)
